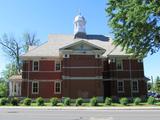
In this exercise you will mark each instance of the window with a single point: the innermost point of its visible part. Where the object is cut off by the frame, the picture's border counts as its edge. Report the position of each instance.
(140, 61)
(97, 56)
(57, 87)
(135, 86)
(120, 86)
(119, 65)
(58, 66)
(35, 87)
(66, 56)
(35, 66)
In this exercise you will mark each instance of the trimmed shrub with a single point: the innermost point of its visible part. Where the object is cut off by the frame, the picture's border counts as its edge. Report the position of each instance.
(3, 101)
(137, 101)
(67, 101)
(124, 101)
(79, 101)
(40, 101)
(115, 99)
(54, 101)
(15, 101)
(108, 101)
(151, 100)
(27, 101)
(94, 101)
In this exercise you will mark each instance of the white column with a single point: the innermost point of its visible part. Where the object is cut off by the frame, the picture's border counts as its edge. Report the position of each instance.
(13, 88)
(20, 88)
(10, 88)
(17, 88)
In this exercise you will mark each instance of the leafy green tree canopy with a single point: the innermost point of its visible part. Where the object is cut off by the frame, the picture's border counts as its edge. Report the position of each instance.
(135, 25)
(3, 89)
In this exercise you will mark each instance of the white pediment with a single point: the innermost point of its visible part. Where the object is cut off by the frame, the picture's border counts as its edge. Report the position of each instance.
(82, 46)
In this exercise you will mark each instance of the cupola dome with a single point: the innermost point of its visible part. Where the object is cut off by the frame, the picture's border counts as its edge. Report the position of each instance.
(79, 25)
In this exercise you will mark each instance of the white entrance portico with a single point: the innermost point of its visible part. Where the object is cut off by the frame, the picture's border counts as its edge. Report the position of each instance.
(15, 85)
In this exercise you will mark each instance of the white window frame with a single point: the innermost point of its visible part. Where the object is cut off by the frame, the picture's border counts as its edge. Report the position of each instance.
(135, 91)
(140, 61)
(66, 56)
(122, 86)
(55, 65)
(121, 63)
(33, 65)
(97, 56)
(55, 92)
(111, 60)
(37, 87)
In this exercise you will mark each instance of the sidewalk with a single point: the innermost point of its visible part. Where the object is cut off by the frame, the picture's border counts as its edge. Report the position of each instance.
(79, 108)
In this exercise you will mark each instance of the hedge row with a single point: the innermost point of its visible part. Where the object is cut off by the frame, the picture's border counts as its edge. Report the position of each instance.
(67, 101)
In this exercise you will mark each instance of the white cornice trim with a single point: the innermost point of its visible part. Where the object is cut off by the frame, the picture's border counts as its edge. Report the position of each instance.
(82, 78)
(82, 67)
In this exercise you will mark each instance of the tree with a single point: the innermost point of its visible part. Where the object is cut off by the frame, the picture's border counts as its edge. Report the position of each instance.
(30, 40)
(3, 89)
(157, 84)
(9, 70)
(135, 25)
(13, 47)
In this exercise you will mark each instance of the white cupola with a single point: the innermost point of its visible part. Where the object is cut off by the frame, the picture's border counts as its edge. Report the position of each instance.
(79, 24)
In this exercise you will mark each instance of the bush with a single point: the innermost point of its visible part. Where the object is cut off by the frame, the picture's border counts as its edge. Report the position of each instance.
(137, 101)
(94, 101)
(67, 101)
(124, 101)
(108, 101)
(27, 101)
(54, 101)
(79, 101)
(15, 101)
(151, 100)
(40, 101)
(3, 101)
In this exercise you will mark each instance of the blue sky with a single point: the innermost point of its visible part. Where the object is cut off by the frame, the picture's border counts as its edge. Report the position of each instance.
(56, 16)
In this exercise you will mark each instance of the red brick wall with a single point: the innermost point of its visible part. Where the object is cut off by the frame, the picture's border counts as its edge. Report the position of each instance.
(82, 61)
(46, 90)
(136, 69)
(83, 72)
(82, 88)
(42, 75)
(46, 71)
(46, 65)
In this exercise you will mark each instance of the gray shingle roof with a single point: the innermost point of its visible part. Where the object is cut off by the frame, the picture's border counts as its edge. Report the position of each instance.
(57, 41)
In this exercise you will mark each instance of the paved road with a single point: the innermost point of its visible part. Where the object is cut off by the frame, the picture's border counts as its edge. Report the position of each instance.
(39, 114)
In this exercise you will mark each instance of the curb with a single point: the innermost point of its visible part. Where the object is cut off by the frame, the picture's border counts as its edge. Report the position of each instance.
(79, 108)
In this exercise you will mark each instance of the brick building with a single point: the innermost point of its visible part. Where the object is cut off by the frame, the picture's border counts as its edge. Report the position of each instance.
(79, 65)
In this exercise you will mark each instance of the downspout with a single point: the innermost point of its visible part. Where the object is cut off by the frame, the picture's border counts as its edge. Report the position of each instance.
(28, 79)
(130, 77)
